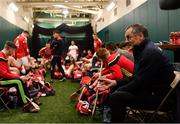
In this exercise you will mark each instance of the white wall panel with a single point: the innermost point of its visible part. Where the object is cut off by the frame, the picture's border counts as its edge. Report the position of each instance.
(15, 18)
(109, 17)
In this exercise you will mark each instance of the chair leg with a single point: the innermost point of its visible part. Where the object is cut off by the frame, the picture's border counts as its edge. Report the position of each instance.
(135, 115)
(139, 117)
(5, 105)
(161, 104)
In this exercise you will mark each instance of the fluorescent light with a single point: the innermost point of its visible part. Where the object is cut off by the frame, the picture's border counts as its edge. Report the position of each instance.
(110, 6)
(65, 16)
(26, 19)
(76, 6)
(65, 12)
(59, 15)
(13, 7)
(60, 6)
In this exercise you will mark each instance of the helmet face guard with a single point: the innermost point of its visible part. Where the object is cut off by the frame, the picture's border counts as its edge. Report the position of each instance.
(83, 107)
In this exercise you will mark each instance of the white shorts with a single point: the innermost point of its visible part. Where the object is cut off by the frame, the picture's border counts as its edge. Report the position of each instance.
(24, 61)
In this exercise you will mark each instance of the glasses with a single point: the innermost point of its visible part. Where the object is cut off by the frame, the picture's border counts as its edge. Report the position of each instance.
(129, 37)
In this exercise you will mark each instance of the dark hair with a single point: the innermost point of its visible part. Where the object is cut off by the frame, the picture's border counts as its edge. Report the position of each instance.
(123, 44)
(9, 44)
(111, 46)
(25, 32)
(137, 29)
(56, 31)
(102, 53)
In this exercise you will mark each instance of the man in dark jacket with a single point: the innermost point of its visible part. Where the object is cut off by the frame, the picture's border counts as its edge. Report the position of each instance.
(151, 80)
(57, 47)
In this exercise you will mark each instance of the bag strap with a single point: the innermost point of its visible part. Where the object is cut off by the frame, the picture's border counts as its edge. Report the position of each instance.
(125, 72)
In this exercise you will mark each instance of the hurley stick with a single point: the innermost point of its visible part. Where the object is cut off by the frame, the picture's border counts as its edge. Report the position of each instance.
(96, 99)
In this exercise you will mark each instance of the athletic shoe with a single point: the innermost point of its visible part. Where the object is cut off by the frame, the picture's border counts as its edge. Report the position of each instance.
(37, 101)
(51, 81)
(63, 79)
(28, 107)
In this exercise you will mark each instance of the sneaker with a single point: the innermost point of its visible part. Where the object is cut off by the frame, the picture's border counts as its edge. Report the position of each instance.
(28, 107)
(37, 101)
(63, 79)
(51, 81)
(43, 94)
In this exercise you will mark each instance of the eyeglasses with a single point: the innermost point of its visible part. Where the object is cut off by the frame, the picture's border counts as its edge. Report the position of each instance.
(129, 37)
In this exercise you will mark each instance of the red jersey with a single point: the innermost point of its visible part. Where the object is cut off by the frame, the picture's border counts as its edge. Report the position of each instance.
(4, 68)
(97, 44)
(22, 46)
(122, 61)
(45, 52)
(115, 63)
(89, 56)
(114, 72)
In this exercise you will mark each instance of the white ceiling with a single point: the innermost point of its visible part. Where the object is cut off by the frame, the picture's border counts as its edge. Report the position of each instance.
(52, 10)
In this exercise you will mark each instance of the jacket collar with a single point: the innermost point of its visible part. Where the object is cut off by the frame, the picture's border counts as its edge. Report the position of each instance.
(141, 46)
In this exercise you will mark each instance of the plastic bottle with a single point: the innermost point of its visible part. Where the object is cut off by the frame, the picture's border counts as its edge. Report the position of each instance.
(106, 114)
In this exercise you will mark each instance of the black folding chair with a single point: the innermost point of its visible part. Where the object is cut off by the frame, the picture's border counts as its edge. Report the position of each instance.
(2, 92)
(142, 115)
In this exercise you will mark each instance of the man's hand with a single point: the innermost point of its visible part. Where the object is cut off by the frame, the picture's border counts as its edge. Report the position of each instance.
(29, 58)
(95, 76)
(101, 87)
(24, 78)
(109, 81)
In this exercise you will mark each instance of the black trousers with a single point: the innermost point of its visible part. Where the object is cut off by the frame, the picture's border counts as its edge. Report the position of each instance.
(56, 60)
(120, 100)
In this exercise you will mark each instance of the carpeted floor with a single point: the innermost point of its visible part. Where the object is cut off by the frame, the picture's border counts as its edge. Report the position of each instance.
(54, 109)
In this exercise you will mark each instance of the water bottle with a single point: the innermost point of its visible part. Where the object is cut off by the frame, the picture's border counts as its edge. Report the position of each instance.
(106, 114)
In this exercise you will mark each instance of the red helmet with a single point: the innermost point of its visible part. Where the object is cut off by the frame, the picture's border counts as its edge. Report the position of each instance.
(83, 107)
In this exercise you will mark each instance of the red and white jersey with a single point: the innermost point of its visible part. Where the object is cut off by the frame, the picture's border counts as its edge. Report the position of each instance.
(73, 51)
(97, 44)
(22, 46)
(77, 74)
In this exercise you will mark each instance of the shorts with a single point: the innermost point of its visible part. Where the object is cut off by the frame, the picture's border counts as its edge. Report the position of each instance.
(24, 61)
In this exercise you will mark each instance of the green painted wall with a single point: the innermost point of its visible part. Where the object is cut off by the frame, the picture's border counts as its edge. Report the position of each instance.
(55, 24)
(8, 31)
(159, 23)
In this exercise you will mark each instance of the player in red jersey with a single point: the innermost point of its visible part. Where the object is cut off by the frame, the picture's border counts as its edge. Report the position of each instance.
(22, 50)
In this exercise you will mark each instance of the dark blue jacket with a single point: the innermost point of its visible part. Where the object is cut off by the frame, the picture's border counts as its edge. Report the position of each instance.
(152, 73)
(56, 46)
